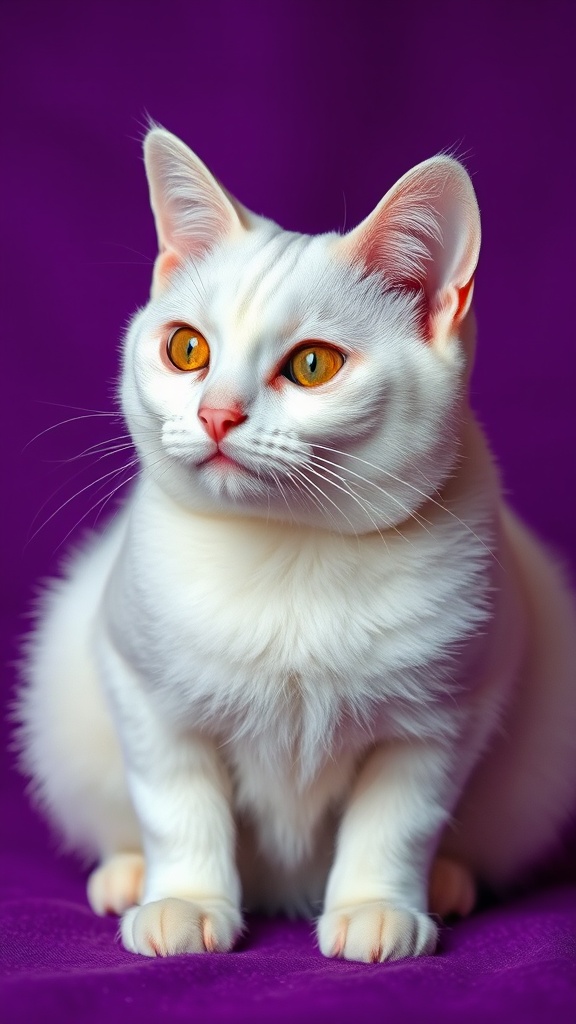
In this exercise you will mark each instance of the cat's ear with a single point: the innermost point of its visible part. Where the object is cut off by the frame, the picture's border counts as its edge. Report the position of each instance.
(191, 209)
(424, 236)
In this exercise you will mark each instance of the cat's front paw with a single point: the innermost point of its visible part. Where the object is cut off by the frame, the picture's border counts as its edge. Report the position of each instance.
(170, 926)
(116, 884)
(376, 931)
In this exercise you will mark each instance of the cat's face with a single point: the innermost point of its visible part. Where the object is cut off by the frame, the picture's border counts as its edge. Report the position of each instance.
(291, 377)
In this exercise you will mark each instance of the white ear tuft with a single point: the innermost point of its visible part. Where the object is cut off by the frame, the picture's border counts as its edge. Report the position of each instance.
(424, 236)
(191, 210)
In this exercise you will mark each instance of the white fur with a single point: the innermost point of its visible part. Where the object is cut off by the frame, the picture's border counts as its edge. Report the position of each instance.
(294, 682)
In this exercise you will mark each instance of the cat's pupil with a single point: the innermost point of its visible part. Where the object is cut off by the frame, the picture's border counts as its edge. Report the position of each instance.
(191, 346)
(311, 361)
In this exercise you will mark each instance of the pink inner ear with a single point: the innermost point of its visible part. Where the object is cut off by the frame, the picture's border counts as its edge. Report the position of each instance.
(394, 240)
(464, 296)
(424, 238)
(446, 308)
(166, 263)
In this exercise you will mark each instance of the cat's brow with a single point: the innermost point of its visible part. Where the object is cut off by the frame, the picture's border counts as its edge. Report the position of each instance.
(276, 266)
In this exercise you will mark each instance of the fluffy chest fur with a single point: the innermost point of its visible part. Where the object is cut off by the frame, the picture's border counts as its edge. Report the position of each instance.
(297, 641)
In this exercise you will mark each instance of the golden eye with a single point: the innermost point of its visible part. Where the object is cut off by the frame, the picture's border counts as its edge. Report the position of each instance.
(188, 349)
(313, 364)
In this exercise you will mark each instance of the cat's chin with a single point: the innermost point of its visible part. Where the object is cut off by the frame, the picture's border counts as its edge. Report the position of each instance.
(224, 479)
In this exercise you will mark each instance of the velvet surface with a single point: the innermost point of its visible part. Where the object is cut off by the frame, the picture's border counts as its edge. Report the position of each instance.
(308, 111)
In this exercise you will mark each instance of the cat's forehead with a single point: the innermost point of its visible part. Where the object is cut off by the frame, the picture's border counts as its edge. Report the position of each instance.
(251, 276)
(271, 282)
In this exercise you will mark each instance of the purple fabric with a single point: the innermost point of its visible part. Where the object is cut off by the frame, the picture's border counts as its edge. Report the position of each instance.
(308, 111)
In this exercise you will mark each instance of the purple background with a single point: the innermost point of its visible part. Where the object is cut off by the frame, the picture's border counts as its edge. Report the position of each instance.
(308, 111)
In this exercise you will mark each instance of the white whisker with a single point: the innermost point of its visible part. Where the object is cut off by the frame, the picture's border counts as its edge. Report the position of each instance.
(409, 513)
(301, 472)
(297, 477)
(63, 423)
(101, 501)
(404, 483)
(111, 473)
(80, 408)
(98, 451)
(281, 489)
(349, 493)
(65, 483)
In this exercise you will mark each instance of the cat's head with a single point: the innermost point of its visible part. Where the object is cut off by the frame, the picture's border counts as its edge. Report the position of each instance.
(313, 379)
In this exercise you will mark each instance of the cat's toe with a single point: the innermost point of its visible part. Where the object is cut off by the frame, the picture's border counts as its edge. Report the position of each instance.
(170, 926)
(377, 931)
(452, 888)
(116, 884)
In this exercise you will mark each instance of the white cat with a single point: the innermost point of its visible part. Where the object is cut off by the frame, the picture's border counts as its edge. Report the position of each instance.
(315, 664)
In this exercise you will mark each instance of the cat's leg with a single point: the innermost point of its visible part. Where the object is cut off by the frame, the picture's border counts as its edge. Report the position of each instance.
(376, 898)
(451, 888)
(182, 794)
(191, 897)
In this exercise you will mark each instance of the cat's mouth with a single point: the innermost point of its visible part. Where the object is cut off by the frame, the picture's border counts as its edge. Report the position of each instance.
(222, 462)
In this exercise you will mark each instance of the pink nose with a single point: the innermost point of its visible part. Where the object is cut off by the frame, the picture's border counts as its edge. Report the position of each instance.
(217, 422)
